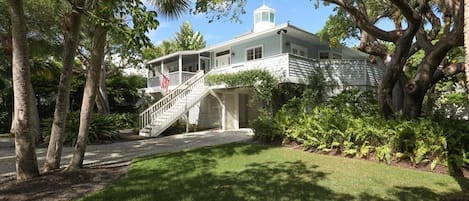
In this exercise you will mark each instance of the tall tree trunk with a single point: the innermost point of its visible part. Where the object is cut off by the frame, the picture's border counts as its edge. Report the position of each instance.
(102, 100)
(89, 96)
(23, 122)
(72, 24)
(466, 43)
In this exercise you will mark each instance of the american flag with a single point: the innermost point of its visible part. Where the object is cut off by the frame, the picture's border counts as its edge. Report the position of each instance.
(165, 83)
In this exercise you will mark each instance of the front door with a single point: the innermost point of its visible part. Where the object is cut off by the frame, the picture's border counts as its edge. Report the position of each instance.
(205, 64)
(222, 58)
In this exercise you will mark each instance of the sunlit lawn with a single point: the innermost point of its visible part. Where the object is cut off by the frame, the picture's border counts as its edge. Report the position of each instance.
(257, 172)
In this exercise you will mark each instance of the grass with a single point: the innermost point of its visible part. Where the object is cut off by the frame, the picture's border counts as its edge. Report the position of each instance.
(258, 172)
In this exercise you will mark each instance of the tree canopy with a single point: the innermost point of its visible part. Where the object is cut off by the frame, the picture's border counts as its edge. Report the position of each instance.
(432, 27)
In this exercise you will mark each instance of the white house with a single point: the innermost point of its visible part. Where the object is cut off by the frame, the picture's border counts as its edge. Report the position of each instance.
(286, 51)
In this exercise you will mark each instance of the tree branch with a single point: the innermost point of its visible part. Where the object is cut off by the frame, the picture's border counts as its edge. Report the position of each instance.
(364, 23)
(409, 13)
(448, 71)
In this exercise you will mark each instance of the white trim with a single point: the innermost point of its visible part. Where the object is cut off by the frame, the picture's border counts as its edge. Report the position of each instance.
(228, 56)
(254, 52)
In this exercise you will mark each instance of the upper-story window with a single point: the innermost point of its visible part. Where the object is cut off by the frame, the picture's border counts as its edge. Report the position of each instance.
(329, 55)
(336, 56)
(323, 55)
(299, 50)
(254, 53)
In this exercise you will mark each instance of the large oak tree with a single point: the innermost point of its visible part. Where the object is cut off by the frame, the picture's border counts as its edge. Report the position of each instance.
(417, 27)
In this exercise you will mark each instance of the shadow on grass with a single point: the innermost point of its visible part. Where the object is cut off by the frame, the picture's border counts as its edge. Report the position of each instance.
(259, 181)
(193, 175)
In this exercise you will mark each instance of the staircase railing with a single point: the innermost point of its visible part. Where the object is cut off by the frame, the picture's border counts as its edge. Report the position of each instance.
(146, 116)
(170, 112)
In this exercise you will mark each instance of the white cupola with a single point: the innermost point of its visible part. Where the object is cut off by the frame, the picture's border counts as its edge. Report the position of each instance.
(264, 18)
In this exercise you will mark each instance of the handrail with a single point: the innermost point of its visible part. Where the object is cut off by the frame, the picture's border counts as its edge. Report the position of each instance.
(178, 104)
(166, 99)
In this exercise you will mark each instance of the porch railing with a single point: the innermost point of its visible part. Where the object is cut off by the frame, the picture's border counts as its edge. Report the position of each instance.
(173, 79)
(147, 116)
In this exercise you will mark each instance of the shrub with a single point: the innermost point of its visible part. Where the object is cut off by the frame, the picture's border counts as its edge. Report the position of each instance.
(102, 127)
(350, 122)
(265, 129)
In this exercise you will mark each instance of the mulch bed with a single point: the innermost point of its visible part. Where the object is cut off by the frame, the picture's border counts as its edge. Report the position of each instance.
(61, 185)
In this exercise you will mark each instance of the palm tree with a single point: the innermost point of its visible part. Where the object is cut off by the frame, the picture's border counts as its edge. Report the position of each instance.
(24, 127)
(72, 24)
(186, 39)
(170, 8)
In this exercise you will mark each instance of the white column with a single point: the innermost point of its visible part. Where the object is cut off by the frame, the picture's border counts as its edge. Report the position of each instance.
(236, 111)
(180, 69)
(162, 67)
(198, 57)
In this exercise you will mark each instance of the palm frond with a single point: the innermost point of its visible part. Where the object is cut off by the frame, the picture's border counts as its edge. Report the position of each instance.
(171, 9)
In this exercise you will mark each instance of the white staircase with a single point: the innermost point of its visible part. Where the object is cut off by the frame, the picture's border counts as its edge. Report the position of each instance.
(171, 107)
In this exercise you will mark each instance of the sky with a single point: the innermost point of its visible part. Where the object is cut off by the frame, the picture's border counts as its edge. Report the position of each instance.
(300, 13)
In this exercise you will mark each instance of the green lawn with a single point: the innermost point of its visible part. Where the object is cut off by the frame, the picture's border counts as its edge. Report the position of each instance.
(258, 172)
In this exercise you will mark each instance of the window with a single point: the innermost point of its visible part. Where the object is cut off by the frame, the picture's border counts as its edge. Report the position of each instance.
(258, 18)
(299, 50)
(272, 19)
(265, 16)
(294, 51)
(254, 53)
(323, 55)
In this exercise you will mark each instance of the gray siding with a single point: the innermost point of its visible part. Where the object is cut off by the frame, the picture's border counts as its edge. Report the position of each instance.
(313, 48)
(271, 46)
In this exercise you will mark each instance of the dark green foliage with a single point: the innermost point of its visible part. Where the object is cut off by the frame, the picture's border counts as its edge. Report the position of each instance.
(123, 91)
(102, 127)
(266, 129)
(351, 124)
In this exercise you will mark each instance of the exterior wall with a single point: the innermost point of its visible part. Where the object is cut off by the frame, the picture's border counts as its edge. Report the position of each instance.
(270, 47)
(209, 113)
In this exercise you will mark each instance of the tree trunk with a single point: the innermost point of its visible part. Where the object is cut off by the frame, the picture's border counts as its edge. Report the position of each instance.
(89, 96)
(23, 122)
(417, 87)
(72, 23)
(102, 100)
(466, 43)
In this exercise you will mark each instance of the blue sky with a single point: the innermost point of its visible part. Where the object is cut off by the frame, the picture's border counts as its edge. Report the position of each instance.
(300, 13)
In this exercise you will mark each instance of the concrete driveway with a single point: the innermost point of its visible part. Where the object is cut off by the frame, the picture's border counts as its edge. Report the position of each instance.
(125, 151)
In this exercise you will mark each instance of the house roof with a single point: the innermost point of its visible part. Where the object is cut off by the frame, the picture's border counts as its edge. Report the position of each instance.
(291, 30)
(190, 52)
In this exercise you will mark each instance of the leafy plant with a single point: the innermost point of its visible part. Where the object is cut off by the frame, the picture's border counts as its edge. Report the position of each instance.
(102, 128)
